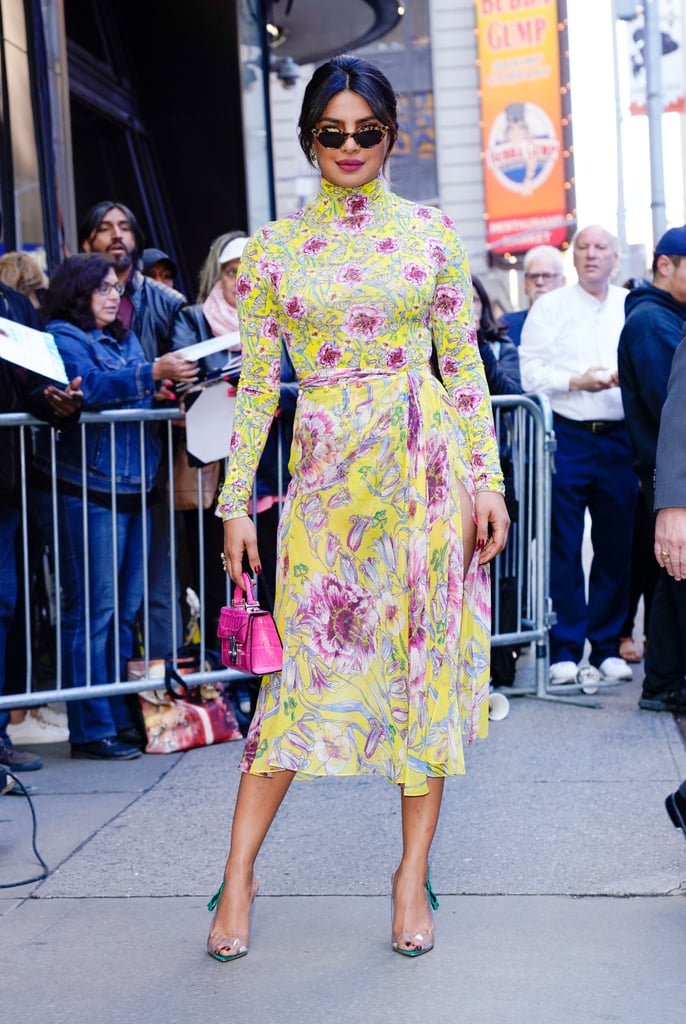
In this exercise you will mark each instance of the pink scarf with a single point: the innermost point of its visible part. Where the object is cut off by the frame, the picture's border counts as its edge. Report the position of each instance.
(222, 318)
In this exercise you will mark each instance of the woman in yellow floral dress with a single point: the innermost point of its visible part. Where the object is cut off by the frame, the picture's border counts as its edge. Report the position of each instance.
(395, 504)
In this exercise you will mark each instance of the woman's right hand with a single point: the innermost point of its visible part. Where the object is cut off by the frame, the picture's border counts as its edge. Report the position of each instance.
(240, 537)
(173, 366)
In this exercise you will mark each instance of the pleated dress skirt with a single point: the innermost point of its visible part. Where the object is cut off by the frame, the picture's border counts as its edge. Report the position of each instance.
(386, 637)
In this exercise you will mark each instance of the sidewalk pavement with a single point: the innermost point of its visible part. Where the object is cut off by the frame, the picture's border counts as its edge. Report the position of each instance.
(561, 882)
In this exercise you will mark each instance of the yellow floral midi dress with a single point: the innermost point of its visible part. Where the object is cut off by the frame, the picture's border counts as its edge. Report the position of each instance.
(386, 638)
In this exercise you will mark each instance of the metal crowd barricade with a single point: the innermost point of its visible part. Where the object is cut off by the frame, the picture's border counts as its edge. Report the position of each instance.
(524, 427)
(525, 422)
(35, 550)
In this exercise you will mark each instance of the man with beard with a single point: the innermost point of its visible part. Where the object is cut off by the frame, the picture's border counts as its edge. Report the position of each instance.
(149, 309)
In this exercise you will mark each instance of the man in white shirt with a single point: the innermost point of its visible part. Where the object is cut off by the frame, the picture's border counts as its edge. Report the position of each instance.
(569, 352)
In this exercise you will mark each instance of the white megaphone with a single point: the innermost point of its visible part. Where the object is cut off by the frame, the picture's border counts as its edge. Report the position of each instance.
(498, 707)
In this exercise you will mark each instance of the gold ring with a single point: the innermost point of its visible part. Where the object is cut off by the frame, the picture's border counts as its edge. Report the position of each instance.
(223, 560)
(664, 555)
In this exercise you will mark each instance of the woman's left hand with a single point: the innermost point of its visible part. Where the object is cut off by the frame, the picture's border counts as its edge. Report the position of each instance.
(492, 524)
(65, 401)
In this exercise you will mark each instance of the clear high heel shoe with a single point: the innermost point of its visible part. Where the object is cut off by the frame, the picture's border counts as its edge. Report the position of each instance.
(229, 947)
(417, 943)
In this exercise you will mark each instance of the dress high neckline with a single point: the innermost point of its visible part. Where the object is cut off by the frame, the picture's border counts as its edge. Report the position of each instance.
(350, 202)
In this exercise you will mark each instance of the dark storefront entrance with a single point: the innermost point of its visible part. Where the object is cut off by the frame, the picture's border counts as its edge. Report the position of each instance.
(156, 120)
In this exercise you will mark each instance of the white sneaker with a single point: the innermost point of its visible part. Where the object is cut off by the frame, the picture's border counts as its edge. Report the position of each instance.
(562, 672)
(615, 668)
(36, 729)
(52, 716)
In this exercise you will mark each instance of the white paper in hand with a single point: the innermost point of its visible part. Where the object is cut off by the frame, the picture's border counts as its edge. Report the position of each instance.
(223, 342)
(34, 350)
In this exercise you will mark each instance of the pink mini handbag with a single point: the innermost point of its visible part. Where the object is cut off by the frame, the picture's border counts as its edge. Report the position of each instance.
(250, 639)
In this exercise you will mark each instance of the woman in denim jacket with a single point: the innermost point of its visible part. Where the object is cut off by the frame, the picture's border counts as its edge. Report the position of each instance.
(102, 565)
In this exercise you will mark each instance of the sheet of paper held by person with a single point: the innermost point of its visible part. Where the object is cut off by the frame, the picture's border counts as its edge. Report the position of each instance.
(32, 349)
(231, 342)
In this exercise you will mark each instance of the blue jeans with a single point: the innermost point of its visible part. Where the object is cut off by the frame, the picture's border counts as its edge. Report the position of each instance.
(100, 717)
(9, 524)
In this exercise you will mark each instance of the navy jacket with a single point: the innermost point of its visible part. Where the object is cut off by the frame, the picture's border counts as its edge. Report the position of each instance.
(501, 363)
(514, 323)
(649, 339)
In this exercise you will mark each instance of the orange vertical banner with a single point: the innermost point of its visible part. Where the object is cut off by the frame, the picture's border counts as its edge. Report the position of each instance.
(525, 123)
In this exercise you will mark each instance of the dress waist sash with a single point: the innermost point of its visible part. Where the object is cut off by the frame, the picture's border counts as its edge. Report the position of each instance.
(358, 375)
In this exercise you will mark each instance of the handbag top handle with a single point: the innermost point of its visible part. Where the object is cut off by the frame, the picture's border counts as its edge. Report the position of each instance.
(246, 595)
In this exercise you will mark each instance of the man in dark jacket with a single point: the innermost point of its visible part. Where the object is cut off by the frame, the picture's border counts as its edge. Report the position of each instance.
(670, 525)
(655, 319)
(149, 309)
(20, 391)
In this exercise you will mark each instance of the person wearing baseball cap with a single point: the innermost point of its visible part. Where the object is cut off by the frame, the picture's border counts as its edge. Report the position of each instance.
(159, 266)
(672, 243)
(655, 321)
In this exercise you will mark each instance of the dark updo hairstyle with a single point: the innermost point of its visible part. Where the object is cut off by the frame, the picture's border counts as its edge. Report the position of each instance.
(71, 290)
(351, 74)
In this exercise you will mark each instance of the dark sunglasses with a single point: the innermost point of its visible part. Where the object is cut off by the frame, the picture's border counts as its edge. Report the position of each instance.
(365, 138)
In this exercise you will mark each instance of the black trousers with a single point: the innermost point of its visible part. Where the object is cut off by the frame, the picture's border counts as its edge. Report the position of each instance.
(665, 661)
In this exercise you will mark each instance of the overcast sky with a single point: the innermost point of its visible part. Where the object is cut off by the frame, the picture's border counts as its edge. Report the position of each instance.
(594, 111)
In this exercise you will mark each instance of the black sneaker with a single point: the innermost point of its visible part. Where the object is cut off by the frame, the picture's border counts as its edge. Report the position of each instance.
(109, 749)
(676, 807)
(18, 760)
(131, 738)
(673, 701)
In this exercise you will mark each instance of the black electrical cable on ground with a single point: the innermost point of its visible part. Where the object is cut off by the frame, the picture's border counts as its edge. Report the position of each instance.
(46, 869)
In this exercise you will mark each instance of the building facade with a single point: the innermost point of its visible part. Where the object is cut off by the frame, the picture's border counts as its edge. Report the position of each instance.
(160, 106)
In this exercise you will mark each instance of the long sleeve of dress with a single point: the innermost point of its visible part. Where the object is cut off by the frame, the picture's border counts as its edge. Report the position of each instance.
(259, 385)
(462, 370)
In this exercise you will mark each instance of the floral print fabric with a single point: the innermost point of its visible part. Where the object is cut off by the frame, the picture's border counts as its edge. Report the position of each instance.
(386, 642)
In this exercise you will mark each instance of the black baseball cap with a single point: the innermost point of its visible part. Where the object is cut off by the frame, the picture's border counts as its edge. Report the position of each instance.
(152, 256)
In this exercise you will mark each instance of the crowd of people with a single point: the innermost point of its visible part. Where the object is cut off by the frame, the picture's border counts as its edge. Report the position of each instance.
(117, 329)
(363, 310)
